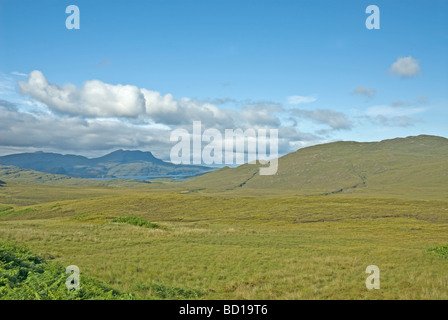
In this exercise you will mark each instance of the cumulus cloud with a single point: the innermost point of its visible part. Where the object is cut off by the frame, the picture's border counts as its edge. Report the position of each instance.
(405, 67)
(260, 115)
(94, 99)
(98, 99)
(100, 116)
(334, 119)
(38, 131)
(25, 131)
(168, 110)
(295, 100)
(369, 93)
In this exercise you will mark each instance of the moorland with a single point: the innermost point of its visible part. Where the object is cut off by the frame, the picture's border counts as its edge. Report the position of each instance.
(309, 232)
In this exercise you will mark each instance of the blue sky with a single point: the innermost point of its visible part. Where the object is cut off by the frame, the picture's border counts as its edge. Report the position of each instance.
(310, 68)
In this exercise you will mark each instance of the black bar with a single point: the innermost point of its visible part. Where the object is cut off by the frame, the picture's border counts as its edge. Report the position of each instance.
(273, 309)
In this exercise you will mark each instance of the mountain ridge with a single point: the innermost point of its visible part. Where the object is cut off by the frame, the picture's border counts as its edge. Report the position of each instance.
(413, 167)
(115, 164)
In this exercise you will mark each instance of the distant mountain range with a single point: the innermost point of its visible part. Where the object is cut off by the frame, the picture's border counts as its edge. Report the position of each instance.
(413, 167)
(120, 163)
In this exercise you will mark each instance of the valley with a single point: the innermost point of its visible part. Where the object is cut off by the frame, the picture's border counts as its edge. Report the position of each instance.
(231, 235)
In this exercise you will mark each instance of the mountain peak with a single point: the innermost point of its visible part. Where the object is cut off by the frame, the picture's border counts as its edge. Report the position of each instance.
(124, 156)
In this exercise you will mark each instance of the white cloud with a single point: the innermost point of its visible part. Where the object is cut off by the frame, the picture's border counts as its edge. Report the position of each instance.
(301, 99)
(20, 74)
(260, 115)
(101, 116)
(334, 119)
(168, 110)
(405, 67)
(94, 99)
(369, 93)
(42, 131)
(25, 131)
(98, 99)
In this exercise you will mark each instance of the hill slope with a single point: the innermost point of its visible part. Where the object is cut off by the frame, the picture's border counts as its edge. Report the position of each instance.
(16, 175)
(115, 164)
(414, 167)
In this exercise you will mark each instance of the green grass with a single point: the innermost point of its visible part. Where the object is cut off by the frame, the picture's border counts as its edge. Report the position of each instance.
(441, 251)
(217, 247)
(136, 221)
(9, 211)
(6, 211)
(26, 276)
(231, 234)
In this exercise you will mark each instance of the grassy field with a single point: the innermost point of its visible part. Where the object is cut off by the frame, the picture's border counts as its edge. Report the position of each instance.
(218, 247)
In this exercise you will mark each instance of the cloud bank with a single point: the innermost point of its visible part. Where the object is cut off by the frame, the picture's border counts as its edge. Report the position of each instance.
(102, 116)
(99, 117)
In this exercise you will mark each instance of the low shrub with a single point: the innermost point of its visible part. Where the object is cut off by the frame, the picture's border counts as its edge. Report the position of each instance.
(136, 221)
(25, 276)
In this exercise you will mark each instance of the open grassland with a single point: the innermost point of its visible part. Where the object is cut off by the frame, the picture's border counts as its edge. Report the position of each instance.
(209, 247)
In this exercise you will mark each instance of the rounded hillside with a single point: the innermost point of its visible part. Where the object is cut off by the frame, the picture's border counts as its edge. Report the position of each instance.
(414, 167)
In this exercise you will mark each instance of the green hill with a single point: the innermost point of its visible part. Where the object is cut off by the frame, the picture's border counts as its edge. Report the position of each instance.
(412, 167)
(26, 176)
(15, 174)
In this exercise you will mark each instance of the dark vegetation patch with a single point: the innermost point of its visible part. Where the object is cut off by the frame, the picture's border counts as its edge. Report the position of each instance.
(136, 221)
(25, 276)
